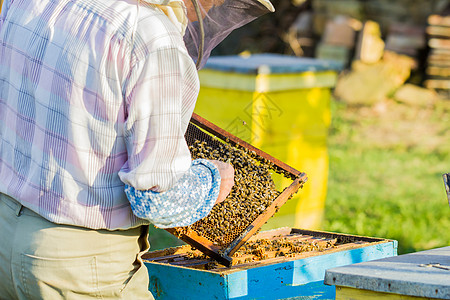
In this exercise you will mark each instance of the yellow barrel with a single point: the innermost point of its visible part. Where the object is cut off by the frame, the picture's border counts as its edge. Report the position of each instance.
(280, 104)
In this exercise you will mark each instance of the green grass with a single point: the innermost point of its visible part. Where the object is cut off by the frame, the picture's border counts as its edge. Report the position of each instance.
(161, 239)
(386, 166)
(385, 180)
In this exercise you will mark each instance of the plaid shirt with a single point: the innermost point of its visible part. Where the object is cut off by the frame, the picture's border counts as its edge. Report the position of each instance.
(96, 96)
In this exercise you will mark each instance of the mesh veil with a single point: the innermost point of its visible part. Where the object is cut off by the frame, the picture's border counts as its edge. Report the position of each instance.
(219, 18)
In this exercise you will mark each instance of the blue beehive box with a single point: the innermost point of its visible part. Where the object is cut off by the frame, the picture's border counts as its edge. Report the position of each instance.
(414, 276)
(173, 276)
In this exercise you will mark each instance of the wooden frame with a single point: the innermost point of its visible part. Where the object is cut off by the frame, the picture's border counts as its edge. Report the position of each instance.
(223, 254)
(447, 185)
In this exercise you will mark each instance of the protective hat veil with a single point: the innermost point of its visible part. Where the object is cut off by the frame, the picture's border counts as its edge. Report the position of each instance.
(214, 20)
(205, 23)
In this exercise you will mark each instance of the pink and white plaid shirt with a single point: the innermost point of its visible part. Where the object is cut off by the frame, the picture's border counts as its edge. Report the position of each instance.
(94, 94)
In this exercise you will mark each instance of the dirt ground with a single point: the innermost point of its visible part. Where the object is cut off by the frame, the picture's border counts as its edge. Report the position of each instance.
(390, 124)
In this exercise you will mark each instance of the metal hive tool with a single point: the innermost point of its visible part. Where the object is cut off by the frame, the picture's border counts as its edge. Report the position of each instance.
(201, 132)
(447, 185)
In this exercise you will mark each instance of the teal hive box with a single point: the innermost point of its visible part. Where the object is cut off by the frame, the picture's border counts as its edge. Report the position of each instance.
(413, 276)
(298, 277)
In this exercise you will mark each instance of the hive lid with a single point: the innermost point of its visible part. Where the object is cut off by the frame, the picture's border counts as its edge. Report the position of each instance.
(420, 274)
(270, 63)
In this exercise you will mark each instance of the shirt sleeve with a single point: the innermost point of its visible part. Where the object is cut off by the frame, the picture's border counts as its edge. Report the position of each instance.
(190, 200)
(160, 91)
(161, 95)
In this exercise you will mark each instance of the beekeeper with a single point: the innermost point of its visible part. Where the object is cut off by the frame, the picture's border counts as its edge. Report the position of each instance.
(95, 98)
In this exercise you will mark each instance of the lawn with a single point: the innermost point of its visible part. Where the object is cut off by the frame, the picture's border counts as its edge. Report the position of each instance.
(386, 166)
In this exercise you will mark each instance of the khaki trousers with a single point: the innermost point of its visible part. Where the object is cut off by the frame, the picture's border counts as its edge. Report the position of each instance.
(43, 260)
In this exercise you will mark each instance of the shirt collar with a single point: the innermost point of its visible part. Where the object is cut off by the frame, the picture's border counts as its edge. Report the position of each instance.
(175, 10)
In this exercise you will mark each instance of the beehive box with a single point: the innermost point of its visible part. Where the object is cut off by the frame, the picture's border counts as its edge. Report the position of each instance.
(281, 105)
(413, 276)
(178, 273)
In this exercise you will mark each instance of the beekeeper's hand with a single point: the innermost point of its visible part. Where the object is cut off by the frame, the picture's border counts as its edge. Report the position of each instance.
(227, 179)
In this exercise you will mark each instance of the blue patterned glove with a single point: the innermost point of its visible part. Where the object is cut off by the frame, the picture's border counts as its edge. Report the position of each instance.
(190, 200)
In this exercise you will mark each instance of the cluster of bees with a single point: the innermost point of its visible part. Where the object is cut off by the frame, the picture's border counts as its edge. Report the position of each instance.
(261, 249)
(253, 191)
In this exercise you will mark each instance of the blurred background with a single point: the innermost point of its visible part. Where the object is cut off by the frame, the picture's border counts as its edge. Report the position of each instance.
(375, 168)
(369, 122)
